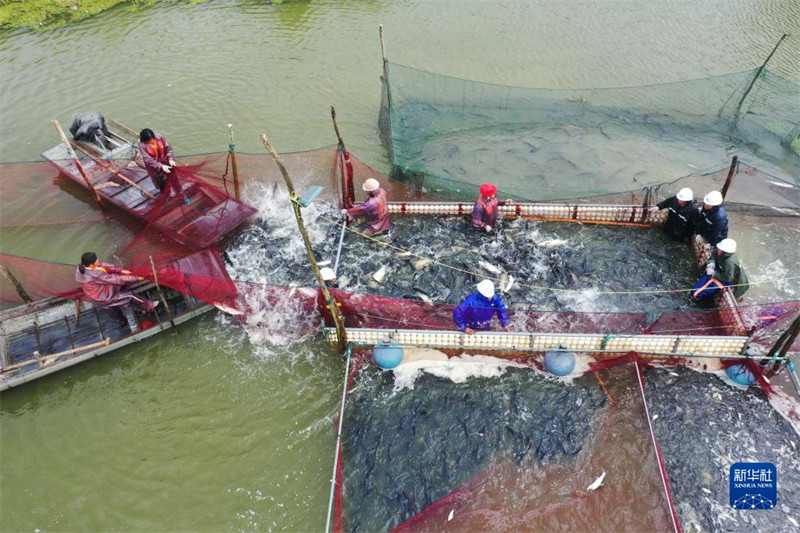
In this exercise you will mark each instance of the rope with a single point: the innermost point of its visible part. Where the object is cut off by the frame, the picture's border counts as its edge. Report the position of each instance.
(536, 287)
(661, 467)
(338, 440)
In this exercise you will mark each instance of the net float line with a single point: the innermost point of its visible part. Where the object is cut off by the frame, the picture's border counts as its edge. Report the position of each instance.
(728, 347)
(635, 215)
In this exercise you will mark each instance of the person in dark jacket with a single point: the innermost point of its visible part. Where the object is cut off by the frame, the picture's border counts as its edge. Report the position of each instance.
(158, 161)
(712, 220)
(477, 310)
(723, 270)
(484, 212)
(680, 219)
(375, 210)
(102, 284)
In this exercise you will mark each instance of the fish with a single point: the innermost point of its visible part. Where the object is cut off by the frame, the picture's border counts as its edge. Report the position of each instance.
(380, 274)
(422, 263)
(793, 521)
(489, 267)
(597, 482)
(424, 297)
(705, 490)
(452, 511)
(323, 263)
(552, 243)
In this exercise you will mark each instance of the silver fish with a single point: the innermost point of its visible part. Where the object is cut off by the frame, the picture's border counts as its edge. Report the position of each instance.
(597, 482)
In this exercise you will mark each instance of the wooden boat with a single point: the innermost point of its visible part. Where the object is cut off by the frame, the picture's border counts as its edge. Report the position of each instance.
(118, 176)
(48, 335)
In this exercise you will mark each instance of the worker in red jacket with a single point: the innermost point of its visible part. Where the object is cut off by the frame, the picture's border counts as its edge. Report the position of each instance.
(102, 284)
(484, 213)
(159, 163)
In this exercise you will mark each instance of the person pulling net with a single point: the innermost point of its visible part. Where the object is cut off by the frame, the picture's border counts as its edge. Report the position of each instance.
(102, 284)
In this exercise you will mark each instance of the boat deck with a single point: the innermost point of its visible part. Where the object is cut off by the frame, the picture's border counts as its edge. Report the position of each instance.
(207, 218)
(40, 338)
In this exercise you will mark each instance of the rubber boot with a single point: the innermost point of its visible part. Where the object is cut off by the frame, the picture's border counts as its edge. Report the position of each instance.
(130, 316)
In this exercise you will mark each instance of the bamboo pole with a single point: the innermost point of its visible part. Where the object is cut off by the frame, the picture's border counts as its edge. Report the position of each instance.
(731, 174)
(47, 358)
(330, 302)
(114, 171)
(78, 164)
(161, 296)
(234, 165)
(6, 273)
(756, 76)
(348, 190)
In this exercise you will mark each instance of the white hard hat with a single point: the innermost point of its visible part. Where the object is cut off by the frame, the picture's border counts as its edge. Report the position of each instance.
(685, 195)
(371, 185)
(713, 198)
(327, 273)
(486, 288)
(727, 245)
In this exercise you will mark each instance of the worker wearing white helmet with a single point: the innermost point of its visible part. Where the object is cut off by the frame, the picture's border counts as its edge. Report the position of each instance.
(375, 210)
(680, 219)
(712, 220)
(478, 309)
(723, 270)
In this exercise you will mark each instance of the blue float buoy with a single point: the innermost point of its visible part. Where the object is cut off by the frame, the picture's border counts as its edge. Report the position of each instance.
(559, 363)
(741, 374)
(387, 354)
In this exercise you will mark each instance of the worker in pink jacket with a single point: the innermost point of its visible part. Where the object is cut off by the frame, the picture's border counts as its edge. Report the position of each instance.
(102, 284)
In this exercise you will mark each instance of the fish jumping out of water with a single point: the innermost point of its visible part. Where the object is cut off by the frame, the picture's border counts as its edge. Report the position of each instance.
(597, 482)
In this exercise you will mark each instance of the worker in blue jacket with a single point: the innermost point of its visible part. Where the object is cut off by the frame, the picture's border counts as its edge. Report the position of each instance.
(712, 220)
(477, 310)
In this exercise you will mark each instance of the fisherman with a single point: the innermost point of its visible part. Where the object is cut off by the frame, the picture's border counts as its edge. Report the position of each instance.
(723, 270)
(712, 221)
(680, 219)
(158, 161)
(102, 283)
(484, 213)
(375, 209)
(477, 310)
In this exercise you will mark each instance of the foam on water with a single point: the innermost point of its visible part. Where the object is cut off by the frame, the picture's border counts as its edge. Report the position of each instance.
(457, 369)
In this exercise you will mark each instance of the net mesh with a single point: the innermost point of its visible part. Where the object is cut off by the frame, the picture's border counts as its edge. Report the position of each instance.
(34, 197)
(447, 134)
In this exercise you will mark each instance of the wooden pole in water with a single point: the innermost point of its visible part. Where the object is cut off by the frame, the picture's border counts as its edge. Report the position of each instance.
(731, 173)
(234, 165)
(330, 302)
(78, 164)
(161, 296)
(348, 192)
(6, 273)
(759, 70)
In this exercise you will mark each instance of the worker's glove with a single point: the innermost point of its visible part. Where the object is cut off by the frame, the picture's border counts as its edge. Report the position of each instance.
(510, 202)
(655, 209)
(488, 228)
(710, 269)
(172, 162)
(166, 169)
(344, 212)
(698, 239)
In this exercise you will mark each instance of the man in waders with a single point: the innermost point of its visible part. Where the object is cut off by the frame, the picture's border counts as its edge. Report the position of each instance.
(375, 210)
(723, 270)
(102, 284)
(478, 309)
(712, 220)
(484, 212)
(680, 219)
